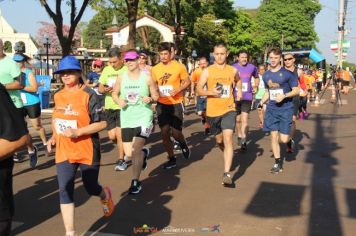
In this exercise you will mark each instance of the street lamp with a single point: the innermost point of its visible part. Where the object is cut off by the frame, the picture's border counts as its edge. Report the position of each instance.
(194, 56)
(47, 44)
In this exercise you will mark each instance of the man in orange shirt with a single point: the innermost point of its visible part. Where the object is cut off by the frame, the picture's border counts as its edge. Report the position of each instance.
(220, 80)
(201, 100)
(172, 79)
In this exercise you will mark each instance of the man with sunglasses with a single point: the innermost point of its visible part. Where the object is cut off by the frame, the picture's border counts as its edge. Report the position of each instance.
(282, 86)
(289, 64)
(107, 82)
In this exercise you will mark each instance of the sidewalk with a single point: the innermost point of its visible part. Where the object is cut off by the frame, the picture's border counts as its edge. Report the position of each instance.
(315, 195)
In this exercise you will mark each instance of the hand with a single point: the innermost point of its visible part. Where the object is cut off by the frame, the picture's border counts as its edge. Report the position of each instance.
(254, 90)
(71, 133)
(260, 106)
(280, 98)
(108, 89)
(216, 92)
(192, 94)
(174, 92)
(122, 103)
(146, 99)
(51, 142)
(238, 96)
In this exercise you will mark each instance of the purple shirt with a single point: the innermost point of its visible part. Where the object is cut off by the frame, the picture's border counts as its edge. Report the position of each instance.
(246, 72)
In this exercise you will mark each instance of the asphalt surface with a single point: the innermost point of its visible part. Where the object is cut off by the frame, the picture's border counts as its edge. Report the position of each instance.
(314, 195)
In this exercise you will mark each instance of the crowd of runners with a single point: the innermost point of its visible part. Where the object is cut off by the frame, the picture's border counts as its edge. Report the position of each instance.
(128, 97)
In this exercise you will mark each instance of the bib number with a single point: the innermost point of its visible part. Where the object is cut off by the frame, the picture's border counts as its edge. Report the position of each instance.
(164, 91)
(273, 93)
(132, 96)
(24, 98)
(244, 87)
(146, 131)
(61, 125)
(225, 93)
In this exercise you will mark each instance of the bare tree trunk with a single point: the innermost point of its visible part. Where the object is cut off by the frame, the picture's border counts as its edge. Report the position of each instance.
(178, 29)
(132, 6)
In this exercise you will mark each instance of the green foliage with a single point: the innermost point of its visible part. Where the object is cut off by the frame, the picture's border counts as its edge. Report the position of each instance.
(293, 19)
(207, 33)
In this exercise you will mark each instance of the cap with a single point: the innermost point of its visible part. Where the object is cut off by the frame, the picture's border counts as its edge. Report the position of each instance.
(68, 63)
(98, 62)
(143, 54)
(131, 55)
(19, 57)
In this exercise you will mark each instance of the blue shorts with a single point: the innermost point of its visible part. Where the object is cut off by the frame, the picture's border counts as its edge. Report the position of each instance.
(278, 120)
(201, 103)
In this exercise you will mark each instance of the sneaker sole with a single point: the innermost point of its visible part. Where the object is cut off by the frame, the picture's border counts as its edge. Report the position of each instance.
(170, 167)
(136, 192)
(227, 181)
(111, 201)
(276, 172)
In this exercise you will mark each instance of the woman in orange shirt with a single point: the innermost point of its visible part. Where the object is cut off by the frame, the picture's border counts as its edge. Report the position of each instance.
(77, 119)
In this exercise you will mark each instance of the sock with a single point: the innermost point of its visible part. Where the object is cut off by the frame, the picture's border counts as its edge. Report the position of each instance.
(243, 140)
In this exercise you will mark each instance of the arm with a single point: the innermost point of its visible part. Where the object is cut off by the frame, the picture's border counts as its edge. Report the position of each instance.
(238, 84)
(87, 130)
(265, 97)
(33, 88)
(116, 92)
(8, 148)
(201, 83)
(16, 85)
(153, 91)
(257, 84)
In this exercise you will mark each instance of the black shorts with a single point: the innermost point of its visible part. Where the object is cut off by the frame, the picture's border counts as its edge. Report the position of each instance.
(219, 123)
(296, 103)
(6, 194)
(32, 111)
(345, 83)
(112, 117)
(243, 106)
(129, 133)
(171, 115)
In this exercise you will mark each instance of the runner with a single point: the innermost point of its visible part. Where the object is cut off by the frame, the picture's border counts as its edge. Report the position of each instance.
(200, 100)
(13, 136)
(77, 119)
(10, 77)
(143, 63)
(289, 64)
(112, 110)
(31, 101)
(259, 95)
(172, 78)
(220, 80)
(282, 85)
(137, 91)
(243, 107)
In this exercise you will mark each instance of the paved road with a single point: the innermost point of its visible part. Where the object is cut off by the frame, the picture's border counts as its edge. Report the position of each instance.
(315, 195)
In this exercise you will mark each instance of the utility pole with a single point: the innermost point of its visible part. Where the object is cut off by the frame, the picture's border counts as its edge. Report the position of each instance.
(341, 30)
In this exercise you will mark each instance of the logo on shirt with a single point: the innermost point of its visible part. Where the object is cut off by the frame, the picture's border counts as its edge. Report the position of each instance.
(273, 85)
(164, 79)
(67, 110)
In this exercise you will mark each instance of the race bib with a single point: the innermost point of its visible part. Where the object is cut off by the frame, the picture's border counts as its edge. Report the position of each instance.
(274, 92)
(164, 91)
(146, 131)
(111, 82)
(61, 125)
(244, 87)
(132, 96)
(24, 98)
(225, 91)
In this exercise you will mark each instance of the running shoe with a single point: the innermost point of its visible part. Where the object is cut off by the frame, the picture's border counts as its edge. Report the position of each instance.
(203, 120)
(207, 131)
(170, 164)
(244, 147)
(277, 167)
(17, 157)
(301, 116)
(33, 157)
(226, 180)
(185, 151)
(135, 187)
(176, 146)
(290, 146)
(146, 152)
(107, 203)
(121, 165)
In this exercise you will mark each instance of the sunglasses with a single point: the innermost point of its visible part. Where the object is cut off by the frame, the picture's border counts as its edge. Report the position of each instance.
(96, 66)
(127, 60)
(66, 72)
(288, 59)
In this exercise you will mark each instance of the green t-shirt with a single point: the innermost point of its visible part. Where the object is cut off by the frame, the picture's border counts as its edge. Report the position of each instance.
(136, 113)
(108, 77)
(9, 71)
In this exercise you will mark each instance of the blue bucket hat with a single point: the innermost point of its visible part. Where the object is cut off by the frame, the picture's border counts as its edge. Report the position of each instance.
(68, 63)
(19, 58)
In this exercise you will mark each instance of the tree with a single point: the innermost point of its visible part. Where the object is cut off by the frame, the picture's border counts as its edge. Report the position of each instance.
(49, 30)
(132, 7)
(57, 17)
(288, 19)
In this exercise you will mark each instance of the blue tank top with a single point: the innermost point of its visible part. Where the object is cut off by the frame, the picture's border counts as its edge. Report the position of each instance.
(29, 98)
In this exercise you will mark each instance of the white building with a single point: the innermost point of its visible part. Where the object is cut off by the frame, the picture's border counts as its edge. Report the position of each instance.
(9, 37)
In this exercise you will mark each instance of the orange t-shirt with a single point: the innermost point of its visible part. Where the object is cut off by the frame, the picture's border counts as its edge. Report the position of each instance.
(218, 106)
(169, 77)
(76, 109)
(196, 75)
(344, 75)
(309, 80)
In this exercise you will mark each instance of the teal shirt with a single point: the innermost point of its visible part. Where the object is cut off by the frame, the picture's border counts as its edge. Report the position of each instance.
(9, 71)
(136, 113)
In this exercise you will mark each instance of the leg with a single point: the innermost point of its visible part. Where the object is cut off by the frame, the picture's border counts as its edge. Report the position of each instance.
(220, 141)
(137, 156)
(166, 139)
(119, 143)
(228, 149)
(275, 144)
(244, 126)
(66, 175)
(238, 126)
(36, 124)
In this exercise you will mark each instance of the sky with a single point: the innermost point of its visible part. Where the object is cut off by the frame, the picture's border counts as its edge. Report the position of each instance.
(25, 15)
